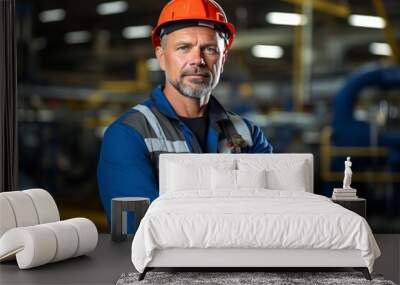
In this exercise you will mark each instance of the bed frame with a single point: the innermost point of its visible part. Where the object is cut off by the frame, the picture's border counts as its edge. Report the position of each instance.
(242, 259)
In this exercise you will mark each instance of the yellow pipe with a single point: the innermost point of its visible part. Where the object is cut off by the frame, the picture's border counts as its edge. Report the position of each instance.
(365, 176)
(388, 30)
(334, 9)
(358, 151)
(297, 68)
(141, 83)
(327, 151)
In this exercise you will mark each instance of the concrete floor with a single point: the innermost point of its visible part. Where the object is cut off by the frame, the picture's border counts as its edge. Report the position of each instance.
(110, 260)
(389, 262)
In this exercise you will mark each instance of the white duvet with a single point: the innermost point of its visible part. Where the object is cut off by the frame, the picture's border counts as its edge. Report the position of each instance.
(254, 218)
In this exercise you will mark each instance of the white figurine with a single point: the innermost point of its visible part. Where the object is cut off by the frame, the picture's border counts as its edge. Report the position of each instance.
(347, 174)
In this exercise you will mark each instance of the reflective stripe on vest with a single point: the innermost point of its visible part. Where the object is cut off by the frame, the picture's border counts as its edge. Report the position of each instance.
(242, 128)
(159, 144)
(154, 144)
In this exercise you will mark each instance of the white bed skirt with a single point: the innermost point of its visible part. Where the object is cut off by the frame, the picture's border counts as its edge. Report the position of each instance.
(193, 257)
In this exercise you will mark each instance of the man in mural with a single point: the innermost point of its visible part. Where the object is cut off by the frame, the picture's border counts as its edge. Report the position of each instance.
(191, 41)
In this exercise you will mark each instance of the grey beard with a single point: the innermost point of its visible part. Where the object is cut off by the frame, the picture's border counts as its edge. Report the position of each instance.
(185, 90)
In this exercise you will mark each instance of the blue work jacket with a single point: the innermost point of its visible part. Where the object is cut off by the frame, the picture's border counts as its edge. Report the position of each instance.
(126, 165)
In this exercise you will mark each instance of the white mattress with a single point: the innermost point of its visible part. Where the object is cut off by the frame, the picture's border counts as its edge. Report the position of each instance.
(256, 218)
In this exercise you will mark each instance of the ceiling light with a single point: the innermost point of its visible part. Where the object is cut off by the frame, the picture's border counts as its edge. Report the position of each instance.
(112, 7)
(380, 49)
(77, 37)
(137, 32)
(267, 51)
(52, 15)
(153, 65)
(290, 19)
(367, 21)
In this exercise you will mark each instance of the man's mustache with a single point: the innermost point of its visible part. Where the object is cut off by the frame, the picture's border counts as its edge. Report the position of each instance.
(196, 71)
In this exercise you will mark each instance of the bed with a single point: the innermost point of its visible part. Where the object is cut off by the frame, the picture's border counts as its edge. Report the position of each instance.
(247, 210)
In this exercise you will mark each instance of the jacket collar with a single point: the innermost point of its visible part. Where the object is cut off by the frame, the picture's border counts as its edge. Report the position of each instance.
(161, 102)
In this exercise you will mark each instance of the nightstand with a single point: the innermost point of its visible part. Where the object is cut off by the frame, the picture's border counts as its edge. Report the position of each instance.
(119, 208)
(358, 205)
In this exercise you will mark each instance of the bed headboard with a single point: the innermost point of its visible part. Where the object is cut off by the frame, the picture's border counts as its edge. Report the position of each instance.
(298, 166)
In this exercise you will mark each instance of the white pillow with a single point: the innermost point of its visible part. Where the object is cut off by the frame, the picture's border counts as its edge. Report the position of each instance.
(188, 177)
(281, 174)
(293, 180)
(226, 179)
(251, 178)
(223, 179)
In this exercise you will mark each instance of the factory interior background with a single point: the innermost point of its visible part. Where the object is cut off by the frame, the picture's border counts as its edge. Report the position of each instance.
(319, 77)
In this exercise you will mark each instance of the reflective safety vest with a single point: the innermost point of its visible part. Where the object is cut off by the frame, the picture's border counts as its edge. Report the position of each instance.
(165, 135)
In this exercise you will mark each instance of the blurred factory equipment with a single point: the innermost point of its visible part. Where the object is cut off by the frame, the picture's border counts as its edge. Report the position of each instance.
(289, 59)
(368, 131)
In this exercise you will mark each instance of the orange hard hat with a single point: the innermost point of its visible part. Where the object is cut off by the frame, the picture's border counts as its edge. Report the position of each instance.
(192, 10)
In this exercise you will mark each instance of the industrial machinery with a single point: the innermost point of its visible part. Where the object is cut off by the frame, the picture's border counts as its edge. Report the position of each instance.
(369, 131)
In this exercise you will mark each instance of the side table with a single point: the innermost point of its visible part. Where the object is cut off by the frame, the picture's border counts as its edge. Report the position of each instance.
(358, 205)
(119, 208)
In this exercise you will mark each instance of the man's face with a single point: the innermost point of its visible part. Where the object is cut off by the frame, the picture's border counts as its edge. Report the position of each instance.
(192, 59)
